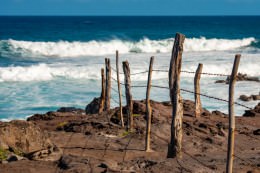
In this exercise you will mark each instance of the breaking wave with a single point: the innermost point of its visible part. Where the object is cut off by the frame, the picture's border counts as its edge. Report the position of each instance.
(96, 48)
(46, 72)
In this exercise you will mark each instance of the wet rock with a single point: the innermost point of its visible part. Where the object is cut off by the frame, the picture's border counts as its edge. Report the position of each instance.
(218, 113)
(48, 116)
(70, 109)
(240, 77)
(256, 132)
(93, 106)
(245, 98)
(220, 81)
(250, 113)
(256, 97)
(254, 112)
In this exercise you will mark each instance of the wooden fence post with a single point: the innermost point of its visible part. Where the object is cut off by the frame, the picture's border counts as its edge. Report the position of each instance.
(108, 84)
(231, 130)
(174, 148)
(197, 90)
(103, 95)
(148, 109)
(119, 89)
(128, 94)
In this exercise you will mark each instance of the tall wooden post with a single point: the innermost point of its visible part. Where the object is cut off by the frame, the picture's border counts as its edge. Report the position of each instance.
(174, 148)
(197, 90)
(108, 84)
(231, 130)
(119, 89)
(130, 122)
(103, 95)
(148, 109)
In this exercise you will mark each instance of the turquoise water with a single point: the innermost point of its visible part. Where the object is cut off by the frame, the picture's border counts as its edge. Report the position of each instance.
(50, 62)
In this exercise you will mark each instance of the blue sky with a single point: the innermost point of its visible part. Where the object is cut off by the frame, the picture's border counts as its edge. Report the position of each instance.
(130, 7)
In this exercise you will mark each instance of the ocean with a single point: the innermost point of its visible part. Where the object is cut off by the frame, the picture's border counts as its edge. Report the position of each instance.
(55, 61)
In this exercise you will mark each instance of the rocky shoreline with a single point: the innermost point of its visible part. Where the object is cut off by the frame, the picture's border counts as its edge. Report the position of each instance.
(69, 140)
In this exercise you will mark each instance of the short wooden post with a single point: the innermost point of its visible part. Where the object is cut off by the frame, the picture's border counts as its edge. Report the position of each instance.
(119, 89)
(197, 90)
(148, 109)
(231, 130)
(108, 84)
(128, 94)
(174, 148)
(103, 95)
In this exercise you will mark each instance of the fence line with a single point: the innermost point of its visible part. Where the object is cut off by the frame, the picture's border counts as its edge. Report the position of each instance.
(188, 91)
(183, 71)
(175, 146)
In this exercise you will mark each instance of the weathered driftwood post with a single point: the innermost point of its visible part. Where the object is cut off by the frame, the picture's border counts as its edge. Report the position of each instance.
(231, 130)
(174, 148)
(197, 90)
(148, 109)
(128, 94)
(119, 89)
(103, 95)
(108, 84)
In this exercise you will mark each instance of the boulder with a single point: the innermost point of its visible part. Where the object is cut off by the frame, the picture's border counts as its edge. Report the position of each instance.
(93, 106)
(256, 97)
(24, 138)
(240, 77)
(245, 98)
(253, 112)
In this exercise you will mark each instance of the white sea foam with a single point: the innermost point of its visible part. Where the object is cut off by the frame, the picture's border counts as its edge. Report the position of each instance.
(44, 72)
(97, 48)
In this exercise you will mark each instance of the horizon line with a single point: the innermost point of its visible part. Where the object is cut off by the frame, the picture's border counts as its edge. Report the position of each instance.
(76, 15)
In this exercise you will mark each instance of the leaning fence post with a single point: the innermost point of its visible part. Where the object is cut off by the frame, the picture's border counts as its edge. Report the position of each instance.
(231, 130)
(148, 108)
(174, 148)
(108, 84)
(102, 97)
(128, 94)
(119, 90)
(197, 90)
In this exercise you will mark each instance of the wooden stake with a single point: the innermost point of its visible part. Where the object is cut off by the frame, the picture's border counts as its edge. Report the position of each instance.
(198, 107)
(108, 84)
(174, 148)
(231, 130)
(119, 89)
(103, 95)
(148, 109)
(128, 94)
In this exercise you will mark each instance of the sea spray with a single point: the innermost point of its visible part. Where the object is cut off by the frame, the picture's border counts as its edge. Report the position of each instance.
(96, 48)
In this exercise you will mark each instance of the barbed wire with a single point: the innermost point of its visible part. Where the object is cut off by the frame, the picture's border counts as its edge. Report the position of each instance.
(212, 97)
(157, 86)
(131, 73)
(114, 100)
(116, 81)
(205, 73)
(116, 70)
(193, 72)
(116, 91)
(185, 90)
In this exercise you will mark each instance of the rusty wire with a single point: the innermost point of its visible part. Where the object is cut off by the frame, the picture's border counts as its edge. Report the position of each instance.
(193, 72)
